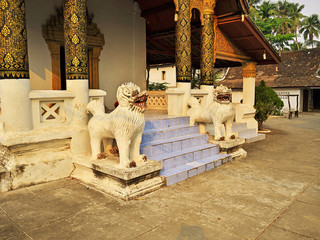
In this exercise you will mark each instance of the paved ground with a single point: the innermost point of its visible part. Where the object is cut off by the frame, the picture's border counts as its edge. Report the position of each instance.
(272, 194)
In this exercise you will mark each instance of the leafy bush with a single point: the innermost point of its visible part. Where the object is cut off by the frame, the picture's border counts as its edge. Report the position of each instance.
(154, 86)
(266, 103)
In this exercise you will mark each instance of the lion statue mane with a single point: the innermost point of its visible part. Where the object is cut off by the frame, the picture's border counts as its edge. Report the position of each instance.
(125, 124)
(220, 112)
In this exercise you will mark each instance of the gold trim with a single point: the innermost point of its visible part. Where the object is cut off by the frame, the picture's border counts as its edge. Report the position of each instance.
(183, 42)
(75, 35)
(13, 40)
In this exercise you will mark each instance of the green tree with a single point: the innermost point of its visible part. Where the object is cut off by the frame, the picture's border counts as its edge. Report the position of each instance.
(266, 10)
(310, 28)
(296, 16)
(296, 46)
(282, 11)
(266, 103)
(253, 12)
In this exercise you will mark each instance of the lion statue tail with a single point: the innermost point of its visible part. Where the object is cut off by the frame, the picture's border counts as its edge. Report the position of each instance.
(95, 107)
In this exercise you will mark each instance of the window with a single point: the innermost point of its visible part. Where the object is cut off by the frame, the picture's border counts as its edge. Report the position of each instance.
(163, 75)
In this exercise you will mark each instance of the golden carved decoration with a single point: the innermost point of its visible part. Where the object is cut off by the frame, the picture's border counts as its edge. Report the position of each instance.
(204, 7)
(13, 40)
(8, 59)
(75, 32)
(183, 42)
(5, 31)
(208, 6)
(249, 69)
(224, 44)
(75, 62)
(3, 4)
(207, 50)
(74, 18)
(75, 39)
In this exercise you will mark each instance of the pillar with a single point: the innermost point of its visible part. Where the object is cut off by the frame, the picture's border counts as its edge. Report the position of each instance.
(249, 80)
(75, 35)
(14, 67)
(207, 50)
(183, 52)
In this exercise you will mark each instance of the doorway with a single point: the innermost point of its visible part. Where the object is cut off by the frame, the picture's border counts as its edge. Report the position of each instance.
(305, 100)
(316, 99)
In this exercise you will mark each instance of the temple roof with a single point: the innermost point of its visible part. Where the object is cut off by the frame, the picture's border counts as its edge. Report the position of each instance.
(297, 69)
(233, 22)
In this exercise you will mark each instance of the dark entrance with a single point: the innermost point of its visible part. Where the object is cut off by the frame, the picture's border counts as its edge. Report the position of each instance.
(305, 100)
(63, 68)
(316, 99)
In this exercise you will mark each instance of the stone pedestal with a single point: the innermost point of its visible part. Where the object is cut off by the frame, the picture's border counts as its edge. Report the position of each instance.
(15, 105)
(178, 98)
(109, 176)
(232, 147)
(207, 99)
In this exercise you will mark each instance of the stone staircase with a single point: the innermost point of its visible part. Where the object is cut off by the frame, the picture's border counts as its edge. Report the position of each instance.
(181, 149)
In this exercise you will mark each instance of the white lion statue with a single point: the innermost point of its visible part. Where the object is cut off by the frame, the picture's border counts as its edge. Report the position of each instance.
(220, 112)
(125, 124)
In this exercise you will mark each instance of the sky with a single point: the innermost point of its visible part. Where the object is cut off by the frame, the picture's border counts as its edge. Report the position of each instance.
(310, 6)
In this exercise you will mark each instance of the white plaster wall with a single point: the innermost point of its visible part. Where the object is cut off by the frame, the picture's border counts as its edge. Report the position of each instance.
(37, 13)
(123, 57)
(237, 96)
(156, 75)
(293, 100)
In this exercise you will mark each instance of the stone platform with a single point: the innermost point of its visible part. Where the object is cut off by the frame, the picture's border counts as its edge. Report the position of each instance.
(232, 147)
(108, 176)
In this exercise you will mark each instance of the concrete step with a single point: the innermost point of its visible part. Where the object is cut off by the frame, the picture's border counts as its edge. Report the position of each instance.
(180, 173)
(237, 127)
(254, 137)
(247, 132)
(182, 157)
(166, 122)
(151, 149)
(163, 134)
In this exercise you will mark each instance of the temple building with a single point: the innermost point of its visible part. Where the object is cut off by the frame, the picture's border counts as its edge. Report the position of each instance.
(56, 56)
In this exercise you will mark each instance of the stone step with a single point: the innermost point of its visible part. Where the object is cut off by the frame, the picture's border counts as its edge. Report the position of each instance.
(237, 127)
(180, 173)
(163, 134)
(151, 149)
(247, 132)
(254, 137)
(166, 122)
(182, 157)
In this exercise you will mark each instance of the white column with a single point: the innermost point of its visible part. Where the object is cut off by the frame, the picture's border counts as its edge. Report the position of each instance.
(186, 87)
(249, 90)
(15, 105)
(207, 99)
(79, 103)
